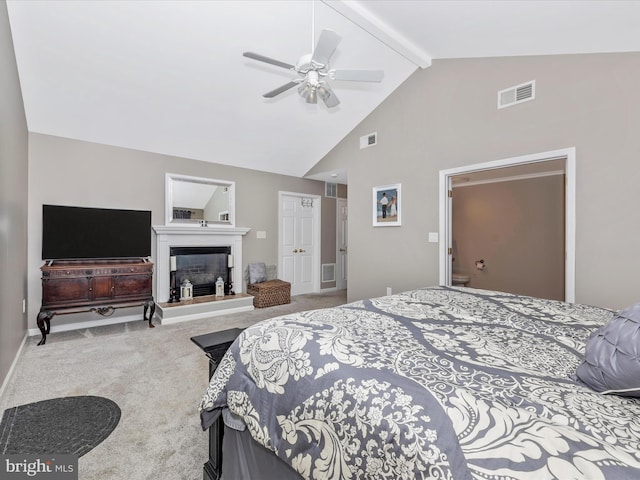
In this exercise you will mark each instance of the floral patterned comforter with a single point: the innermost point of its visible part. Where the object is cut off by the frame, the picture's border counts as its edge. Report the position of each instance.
(433, 383)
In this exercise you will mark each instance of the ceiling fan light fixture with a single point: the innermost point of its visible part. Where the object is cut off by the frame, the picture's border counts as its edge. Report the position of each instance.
(327, 95)
(312, 97)
(308, 91)
(303, 89)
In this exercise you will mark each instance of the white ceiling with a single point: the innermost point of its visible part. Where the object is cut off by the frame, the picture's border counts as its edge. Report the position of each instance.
(169, 76)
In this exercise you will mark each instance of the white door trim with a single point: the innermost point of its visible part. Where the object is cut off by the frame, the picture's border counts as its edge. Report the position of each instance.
(340, 284)
(569, 154)
(317, 237)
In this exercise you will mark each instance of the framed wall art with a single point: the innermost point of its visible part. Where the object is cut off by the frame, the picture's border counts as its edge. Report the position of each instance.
(387, 207)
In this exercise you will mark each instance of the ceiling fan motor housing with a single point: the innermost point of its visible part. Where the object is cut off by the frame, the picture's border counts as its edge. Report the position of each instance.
(303, 64)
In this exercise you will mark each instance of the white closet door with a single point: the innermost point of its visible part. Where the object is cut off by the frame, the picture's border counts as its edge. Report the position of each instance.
(297, 244)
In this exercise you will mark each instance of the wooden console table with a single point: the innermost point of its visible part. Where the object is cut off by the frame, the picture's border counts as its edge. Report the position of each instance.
(101, 286)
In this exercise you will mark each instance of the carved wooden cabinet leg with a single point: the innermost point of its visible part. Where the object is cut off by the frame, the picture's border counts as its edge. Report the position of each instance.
(44, 324)
(151, 306)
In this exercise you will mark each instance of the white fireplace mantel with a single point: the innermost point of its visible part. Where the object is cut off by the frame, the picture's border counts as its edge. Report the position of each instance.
(168, 236)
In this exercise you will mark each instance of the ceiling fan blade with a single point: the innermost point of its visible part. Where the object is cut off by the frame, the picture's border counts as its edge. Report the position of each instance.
(328, 96)
(280, 90)
(262, 58)
(325, 47)
(358, 75)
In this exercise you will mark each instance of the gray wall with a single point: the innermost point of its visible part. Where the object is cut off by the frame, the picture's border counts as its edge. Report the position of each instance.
(446, 116)
(517, 228)
(70, 172)
(13, 202)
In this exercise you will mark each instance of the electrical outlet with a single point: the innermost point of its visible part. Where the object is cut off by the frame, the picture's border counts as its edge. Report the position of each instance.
(389, 292)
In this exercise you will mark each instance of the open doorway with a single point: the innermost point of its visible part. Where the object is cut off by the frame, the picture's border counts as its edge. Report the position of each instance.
(510, 266)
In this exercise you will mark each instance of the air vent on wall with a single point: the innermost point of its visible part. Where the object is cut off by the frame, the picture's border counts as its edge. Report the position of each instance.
(330, 189)
(518, 94)
(328, 272)
(368, 140)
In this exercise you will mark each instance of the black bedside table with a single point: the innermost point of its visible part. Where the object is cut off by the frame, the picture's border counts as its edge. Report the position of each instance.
(215, 345)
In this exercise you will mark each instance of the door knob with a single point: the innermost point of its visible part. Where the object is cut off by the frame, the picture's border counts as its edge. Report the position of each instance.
(302, 251)
(343, 249)
(295, 251)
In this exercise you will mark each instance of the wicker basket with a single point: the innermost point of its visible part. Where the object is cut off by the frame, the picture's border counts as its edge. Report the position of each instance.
(270, 293)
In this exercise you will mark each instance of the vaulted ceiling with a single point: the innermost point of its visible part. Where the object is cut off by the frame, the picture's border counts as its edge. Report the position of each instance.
(169, 76)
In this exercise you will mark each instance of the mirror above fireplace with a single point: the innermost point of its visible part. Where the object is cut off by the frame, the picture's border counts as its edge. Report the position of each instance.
(199, 201)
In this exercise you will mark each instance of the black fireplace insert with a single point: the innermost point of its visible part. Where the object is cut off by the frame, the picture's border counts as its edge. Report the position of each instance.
(202, 266)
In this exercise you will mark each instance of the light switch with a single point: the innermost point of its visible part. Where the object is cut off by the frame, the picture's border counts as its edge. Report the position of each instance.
(261, 234)
(433, 237)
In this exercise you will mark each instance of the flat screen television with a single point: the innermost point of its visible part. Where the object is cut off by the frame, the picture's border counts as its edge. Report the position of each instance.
(94, 233)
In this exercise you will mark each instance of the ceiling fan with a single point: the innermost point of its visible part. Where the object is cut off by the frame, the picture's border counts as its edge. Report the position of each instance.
(313, 70)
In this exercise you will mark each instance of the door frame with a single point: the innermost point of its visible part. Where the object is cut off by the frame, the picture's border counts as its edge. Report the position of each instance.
(341, 201)
(317, 237)
(446, 241)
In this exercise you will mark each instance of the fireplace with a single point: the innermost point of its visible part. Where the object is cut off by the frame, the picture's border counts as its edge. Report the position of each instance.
(175, 236)
(171, 236)
(202, 266)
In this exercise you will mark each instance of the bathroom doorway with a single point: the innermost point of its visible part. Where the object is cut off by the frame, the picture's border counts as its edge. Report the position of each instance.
(509, 225)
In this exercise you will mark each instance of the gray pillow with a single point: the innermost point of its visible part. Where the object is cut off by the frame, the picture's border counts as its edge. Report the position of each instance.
(257, 272)
(611, 359)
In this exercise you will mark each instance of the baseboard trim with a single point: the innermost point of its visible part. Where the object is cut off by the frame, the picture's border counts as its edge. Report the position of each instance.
(327, 290)
(13, 365)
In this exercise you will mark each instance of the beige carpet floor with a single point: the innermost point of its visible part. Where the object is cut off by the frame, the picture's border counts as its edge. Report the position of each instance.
(157, 377)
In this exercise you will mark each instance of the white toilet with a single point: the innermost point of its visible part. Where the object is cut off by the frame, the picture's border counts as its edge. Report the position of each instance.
(460, 279)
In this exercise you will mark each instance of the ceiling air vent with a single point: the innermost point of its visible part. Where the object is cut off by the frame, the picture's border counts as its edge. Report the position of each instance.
(518, 94)
(368, 140)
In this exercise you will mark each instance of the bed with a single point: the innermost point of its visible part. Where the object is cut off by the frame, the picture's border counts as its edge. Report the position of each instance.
(441, 383)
